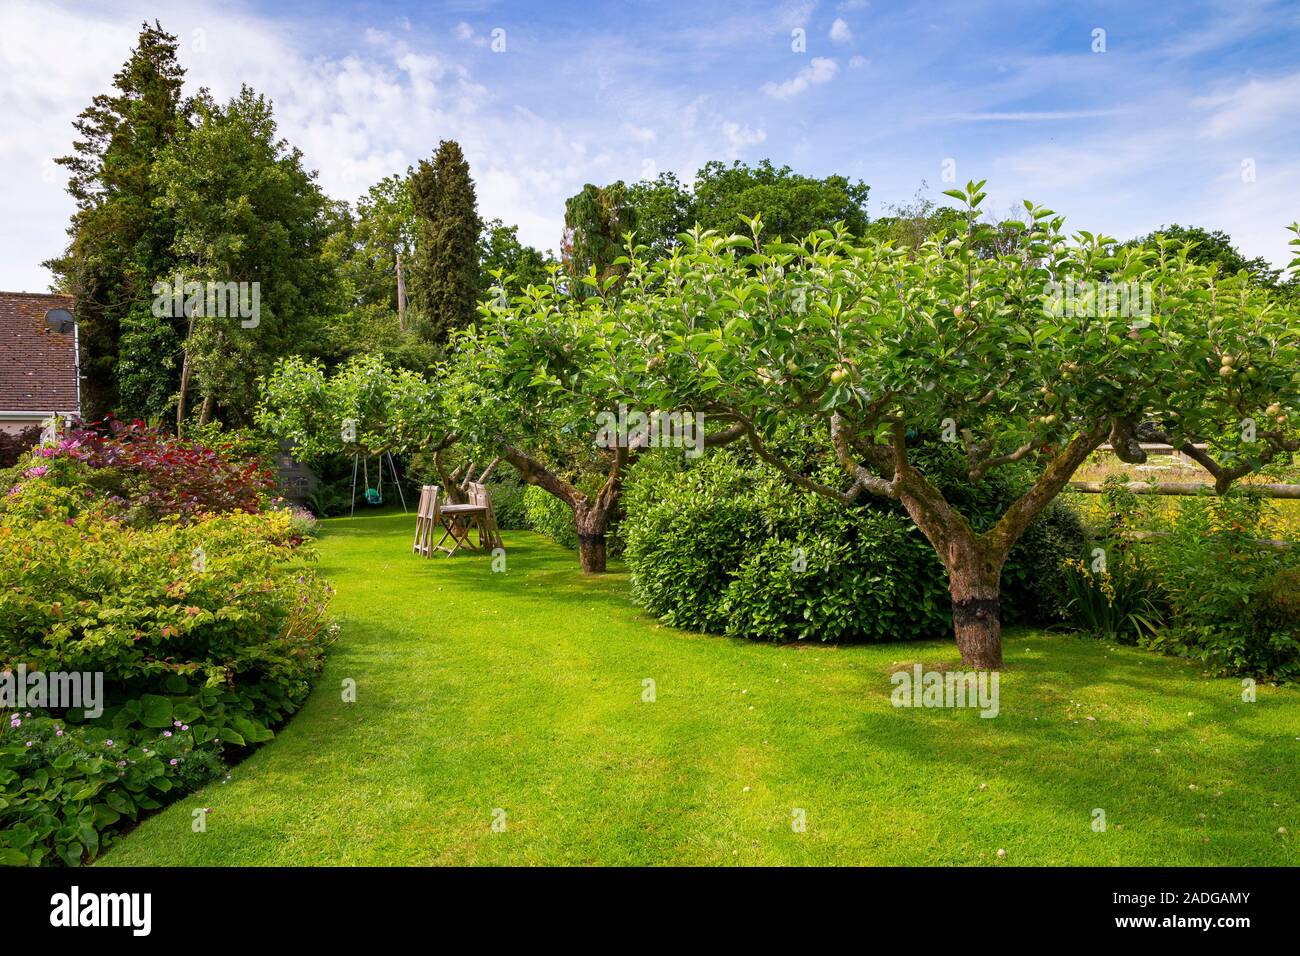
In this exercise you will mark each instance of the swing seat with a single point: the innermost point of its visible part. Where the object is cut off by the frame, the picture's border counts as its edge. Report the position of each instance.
(374, 497)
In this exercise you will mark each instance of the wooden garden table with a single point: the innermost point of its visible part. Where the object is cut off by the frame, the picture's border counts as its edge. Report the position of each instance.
(458, 520)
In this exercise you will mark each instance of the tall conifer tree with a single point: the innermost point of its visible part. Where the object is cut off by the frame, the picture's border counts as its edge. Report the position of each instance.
(445, 277)
(120, 243)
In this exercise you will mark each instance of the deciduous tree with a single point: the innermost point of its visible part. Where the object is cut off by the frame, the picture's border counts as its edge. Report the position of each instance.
(1030, 357)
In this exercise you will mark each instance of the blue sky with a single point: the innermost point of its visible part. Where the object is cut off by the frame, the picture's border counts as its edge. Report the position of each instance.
(1189, 115)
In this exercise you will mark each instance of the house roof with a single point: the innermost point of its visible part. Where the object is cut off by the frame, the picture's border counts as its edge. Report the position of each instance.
(38, 368)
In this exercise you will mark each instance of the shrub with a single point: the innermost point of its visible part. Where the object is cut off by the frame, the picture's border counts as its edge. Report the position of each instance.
(1036, 586)
(685, 532)
(507, 497)
(1116, 601)
(208, 601)
(727, 546)
(856, 577)
(548, 515)
(14, 446)
(330, 499)
(235, 444)
(1227, 595)
(1274, 616)
(153, 474)
(207, 630)
(302, 523)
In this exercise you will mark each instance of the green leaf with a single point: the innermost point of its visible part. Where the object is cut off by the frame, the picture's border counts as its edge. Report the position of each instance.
(88, 791)
(70, 853)
(155, 711)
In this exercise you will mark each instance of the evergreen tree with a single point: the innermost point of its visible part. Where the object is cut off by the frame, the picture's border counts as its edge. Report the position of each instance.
(247, 213)
(445, 275)
(595, 223)
(119, 241)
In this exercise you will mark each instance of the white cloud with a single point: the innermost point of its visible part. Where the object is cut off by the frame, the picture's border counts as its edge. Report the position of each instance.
(366, 95)
(840, 32)
(819, 70)
(359, 109)
(640, 134)
(466, 33)
(797, 14)
(1031, 116)
(740, 136)
(1254, 105)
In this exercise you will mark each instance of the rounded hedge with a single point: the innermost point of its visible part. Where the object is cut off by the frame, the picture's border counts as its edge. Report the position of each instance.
(726, 546)
(548, 515)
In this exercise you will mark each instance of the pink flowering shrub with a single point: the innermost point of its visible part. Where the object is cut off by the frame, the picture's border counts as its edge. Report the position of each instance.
(151, 473)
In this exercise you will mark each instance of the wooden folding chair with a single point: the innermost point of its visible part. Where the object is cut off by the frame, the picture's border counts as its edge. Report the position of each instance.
(426, 520)
(489, 536)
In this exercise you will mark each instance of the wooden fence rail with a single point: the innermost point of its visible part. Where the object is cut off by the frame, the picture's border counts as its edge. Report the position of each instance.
(1268, 490)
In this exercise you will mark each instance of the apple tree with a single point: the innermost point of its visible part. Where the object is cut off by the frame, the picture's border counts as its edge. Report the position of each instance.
(1027, 353)
(366, 407)
(539, 383)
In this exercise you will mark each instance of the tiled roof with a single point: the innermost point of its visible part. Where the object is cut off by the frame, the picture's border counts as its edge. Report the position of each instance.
(38, 368)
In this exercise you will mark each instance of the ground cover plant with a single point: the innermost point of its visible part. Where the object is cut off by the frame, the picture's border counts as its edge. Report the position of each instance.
(159, 570)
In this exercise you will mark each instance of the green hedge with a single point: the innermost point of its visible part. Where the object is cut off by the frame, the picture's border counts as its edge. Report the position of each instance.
(726, 546)
(548, 515)
(507, 496)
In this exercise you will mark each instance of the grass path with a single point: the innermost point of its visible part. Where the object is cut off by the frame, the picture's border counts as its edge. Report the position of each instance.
(523, 691)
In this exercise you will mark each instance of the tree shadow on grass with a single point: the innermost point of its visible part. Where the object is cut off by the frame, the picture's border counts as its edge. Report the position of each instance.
(1165, 778)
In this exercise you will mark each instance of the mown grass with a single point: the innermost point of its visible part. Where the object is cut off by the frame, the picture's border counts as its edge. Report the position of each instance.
(522, 691)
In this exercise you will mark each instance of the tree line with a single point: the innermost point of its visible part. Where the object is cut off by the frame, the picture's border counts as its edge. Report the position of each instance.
(186, 189)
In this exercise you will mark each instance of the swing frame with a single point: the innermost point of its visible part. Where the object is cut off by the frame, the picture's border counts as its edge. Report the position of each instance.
(392, 470)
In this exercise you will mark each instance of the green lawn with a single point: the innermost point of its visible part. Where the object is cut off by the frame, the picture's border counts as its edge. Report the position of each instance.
(523, 691)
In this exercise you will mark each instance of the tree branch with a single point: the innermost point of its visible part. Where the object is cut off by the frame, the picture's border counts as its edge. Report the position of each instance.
(1055, 477)
(533, 472)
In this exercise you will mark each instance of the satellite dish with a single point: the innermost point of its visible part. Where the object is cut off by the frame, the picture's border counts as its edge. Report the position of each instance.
(59, 320)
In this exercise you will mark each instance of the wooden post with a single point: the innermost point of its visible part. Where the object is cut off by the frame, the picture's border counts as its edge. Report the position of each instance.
(401, 294)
